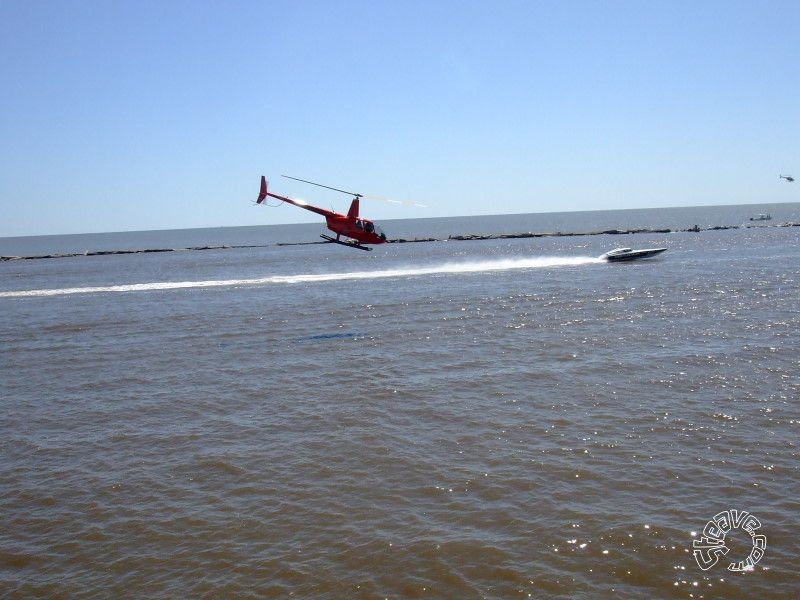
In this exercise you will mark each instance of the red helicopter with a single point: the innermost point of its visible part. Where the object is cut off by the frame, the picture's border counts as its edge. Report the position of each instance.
(357, 230)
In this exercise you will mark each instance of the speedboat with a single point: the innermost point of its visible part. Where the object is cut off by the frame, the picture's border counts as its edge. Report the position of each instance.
(623, 254)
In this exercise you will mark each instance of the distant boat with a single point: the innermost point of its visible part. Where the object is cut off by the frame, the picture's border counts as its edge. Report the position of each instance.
(761, 217)
(627, 254)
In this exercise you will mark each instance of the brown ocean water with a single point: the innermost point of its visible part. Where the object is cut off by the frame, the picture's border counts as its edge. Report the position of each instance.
(489, 419)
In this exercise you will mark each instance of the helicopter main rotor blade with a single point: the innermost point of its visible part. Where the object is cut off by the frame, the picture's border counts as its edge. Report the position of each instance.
(327, 187)
(366, 197)
(390, 201)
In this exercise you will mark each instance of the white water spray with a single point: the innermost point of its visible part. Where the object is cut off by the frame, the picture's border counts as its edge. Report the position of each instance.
(442, 269)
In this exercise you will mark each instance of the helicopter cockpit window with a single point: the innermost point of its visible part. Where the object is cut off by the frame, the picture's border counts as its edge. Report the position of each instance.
(369, 226)
(359, 225)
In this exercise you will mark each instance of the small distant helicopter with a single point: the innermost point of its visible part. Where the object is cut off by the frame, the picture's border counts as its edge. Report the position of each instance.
(357, 230)
(786, 177)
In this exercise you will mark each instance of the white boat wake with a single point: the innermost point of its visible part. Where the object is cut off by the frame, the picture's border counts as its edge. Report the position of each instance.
(442, 269)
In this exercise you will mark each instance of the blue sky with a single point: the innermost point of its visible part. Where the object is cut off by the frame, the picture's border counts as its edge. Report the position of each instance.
(118, 116)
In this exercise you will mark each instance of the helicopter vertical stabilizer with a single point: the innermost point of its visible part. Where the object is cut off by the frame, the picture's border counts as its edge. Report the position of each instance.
(263, 194)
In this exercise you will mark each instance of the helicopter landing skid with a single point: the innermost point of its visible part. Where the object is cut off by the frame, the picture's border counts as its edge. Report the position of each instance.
(348, 244)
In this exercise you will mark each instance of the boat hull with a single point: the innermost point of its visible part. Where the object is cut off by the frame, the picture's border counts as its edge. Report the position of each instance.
(627, 255)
